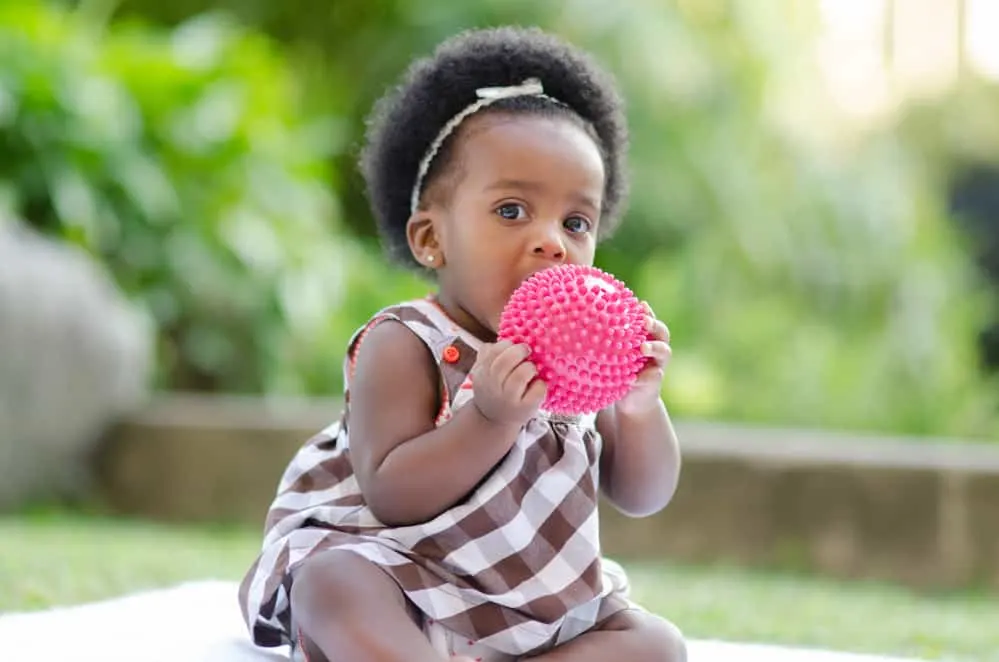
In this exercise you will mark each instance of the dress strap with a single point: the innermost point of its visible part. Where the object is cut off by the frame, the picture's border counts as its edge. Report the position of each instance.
(453, 350)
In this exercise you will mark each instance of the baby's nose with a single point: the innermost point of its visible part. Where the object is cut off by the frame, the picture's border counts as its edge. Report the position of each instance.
(550, 244)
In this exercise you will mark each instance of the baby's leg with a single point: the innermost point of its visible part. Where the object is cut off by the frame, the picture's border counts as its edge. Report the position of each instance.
(349, 609)
(627, 635)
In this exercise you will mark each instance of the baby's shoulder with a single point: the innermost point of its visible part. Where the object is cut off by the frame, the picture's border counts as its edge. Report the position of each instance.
(397, 344)
(421, 316)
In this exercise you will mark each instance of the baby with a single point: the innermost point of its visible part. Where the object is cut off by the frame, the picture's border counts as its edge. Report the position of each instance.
(445, 514)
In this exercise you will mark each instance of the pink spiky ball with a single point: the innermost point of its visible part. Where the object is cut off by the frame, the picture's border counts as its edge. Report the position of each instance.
(585, 329)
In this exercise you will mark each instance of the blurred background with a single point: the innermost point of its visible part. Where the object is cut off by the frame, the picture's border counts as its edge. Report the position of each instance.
(815, 212)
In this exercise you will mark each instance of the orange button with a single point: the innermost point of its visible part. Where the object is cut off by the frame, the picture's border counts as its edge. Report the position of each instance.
(451, 354)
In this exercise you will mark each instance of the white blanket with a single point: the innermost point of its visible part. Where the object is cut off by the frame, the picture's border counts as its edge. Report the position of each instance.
(200, 622)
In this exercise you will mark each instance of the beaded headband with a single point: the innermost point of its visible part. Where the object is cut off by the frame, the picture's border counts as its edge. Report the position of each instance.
(487, 96)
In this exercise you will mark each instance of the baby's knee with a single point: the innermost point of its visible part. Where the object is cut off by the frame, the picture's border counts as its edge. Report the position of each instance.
(664, 642)
(673, 642)
(324, 583)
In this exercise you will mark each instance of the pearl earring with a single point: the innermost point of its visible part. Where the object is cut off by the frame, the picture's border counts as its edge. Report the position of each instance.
(430, 258)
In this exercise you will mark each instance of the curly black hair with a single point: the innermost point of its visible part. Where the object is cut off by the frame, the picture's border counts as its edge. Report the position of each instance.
(406, 121)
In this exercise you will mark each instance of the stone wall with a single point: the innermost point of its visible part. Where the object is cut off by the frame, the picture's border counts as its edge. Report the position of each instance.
(924, 513)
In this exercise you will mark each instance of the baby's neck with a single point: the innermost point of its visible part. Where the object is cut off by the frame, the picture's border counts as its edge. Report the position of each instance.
(463, 318)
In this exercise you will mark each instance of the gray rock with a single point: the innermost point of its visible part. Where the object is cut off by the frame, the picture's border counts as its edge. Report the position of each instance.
(74, 356)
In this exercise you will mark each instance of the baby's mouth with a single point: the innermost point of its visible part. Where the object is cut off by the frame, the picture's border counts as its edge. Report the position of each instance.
(529, 274)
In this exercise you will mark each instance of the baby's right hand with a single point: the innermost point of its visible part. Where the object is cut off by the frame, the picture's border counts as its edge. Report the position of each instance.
(504, 383)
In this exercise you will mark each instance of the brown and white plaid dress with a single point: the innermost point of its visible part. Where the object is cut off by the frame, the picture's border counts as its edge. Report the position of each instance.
(513, 569)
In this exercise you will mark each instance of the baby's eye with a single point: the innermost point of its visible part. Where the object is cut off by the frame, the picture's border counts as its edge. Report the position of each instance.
(577, 224)
(512, 212)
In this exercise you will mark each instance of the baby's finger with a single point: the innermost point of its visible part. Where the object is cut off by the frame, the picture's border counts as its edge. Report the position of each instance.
(653, 373)
(508, 358)
(659, 351)
(485, 354)
(482, 360)
(659, 331)
(516, 382)
(488, 353)
(536, 392)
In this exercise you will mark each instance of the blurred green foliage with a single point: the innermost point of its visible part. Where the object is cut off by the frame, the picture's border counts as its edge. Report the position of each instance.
(807, 278)
(182, 160)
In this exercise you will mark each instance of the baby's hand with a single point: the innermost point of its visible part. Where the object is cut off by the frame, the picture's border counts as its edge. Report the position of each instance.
(504, 384)
(644, 395)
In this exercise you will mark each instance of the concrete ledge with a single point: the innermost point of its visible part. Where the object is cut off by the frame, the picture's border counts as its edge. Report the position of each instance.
(921, 512)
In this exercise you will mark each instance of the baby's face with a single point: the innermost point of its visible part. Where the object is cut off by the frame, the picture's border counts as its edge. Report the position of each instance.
(527, 197)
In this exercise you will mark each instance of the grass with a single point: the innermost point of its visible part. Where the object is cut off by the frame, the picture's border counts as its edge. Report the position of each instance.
(48, 560)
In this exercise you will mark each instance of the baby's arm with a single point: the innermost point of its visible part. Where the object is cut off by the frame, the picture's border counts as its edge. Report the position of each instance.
(409, 470)
(640, 463)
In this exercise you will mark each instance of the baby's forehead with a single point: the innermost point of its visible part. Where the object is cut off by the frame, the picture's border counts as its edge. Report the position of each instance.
(516, 146)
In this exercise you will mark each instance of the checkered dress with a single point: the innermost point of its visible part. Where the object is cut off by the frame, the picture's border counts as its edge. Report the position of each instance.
(515, 568)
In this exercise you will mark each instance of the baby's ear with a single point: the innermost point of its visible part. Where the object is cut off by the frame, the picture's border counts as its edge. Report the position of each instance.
(422, 233)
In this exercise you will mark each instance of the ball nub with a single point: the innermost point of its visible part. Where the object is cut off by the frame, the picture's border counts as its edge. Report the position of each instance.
(585, 329)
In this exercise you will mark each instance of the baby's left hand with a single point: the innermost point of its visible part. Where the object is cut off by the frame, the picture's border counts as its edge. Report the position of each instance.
(645, 393)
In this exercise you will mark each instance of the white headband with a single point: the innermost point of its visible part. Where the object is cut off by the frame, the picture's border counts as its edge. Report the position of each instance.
(487, 96)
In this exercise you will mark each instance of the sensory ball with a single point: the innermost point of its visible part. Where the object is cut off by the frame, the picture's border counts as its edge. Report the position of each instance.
(585, 329)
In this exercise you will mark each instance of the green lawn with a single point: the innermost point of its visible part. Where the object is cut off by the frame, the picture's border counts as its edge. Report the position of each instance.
(52, 559)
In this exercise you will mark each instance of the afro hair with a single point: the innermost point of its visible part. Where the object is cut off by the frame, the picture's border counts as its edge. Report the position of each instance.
(406, 121)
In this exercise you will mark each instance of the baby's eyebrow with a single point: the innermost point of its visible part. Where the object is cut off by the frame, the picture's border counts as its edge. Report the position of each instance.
(522, 184)
(538, 187)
